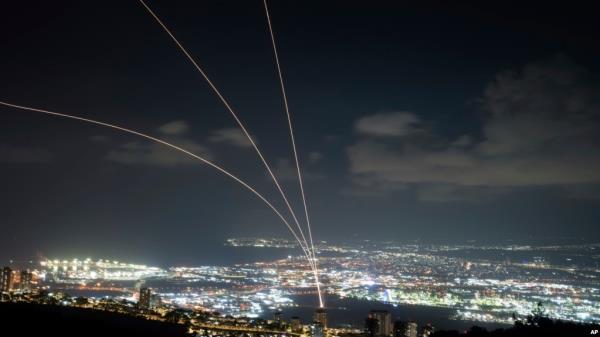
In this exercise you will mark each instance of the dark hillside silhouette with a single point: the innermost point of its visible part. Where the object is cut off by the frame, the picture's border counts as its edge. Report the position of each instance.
(49, 320)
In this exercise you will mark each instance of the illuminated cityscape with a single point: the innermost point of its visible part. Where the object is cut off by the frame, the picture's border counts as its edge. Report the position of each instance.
(265, 168)
(479, 287)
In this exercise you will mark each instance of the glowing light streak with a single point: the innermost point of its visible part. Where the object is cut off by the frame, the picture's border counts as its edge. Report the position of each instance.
(180, 149)
(233, 114)
(289, 119)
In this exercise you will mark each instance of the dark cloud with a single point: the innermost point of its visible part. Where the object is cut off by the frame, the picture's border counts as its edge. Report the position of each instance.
(23, 155)
(100, 139)
(541, 129)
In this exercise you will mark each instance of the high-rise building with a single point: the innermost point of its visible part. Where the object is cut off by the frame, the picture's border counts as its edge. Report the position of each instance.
(384, 319)
(427, 330)
(317, 329)
(398, 328)
(26, 277)
(145, 298)
(321, 317)
(405, 329)
(5, 279)
(411, 329)
(278, 320)
(155, 301)
(296, 324)
(371, 327)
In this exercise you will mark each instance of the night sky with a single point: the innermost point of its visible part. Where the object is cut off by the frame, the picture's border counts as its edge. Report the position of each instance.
(421, 122)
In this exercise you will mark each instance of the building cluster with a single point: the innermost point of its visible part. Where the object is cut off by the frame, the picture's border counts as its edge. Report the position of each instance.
(22, 286)
(148, 299)
(379, 324)
(475, 288)
(16, 281)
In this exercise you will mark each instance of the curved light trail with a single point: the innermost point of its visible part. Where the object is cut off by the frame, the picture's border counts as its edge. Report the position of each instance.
(233, 114)
(306, 250)
(293, 140)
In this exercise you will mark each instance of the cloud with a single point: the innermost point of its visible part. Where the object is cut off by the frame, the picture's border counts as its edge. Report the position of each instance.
(545, 103)
(454, 193)
(584, 192)
(174, 128)
(285, 170)
(23, 155)
(314, 157)
(145, 153)
(150, 153)
(541, 129)
(388, 124)
(231, 136)
(462, 141)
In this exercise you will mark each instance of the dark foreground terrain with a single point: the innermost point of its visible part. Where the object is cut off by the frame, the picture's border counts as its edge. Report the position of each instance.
(24, 319)
(532, 327)
(28, 319)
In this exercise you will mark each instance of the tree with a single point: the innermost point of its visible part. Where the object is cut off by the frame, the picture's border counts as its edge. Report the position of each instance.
(81, 301)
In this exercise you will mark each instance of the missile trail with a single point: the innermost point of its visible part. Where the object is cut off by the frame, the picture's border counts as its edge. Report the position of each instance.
(231, 111)
(180, 149)
(289, 118)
